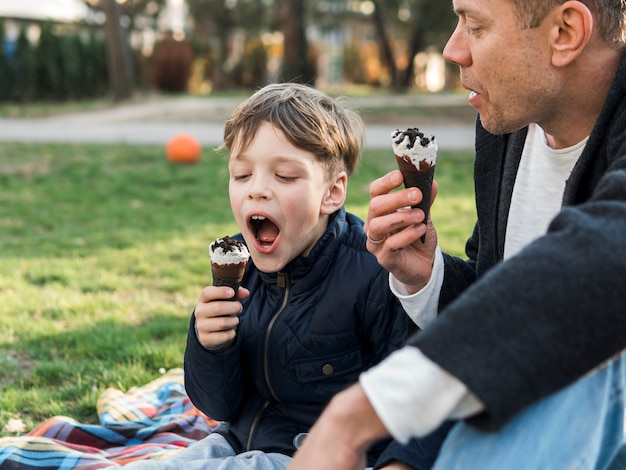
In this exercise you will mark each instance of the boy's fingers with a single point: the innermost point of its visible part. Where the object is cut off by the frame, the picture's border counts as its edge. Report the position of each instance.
(211, 293)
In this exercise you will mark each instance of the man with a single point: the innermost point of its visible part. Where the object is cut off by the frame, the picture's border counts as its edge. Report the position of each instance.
(527, 343)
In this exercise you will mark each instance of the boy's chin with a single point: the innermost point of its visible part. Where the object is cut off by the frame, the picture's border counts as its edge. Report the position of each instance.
(268, 264)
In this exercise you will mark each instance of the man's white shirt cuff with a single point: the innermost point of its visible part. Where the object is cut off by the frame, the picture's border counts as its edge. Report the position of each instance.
(422, 306)
(413, 396)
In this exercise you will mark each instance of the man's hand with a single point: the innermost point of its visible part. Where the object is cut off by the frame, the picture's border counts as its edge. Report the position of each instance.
(341, 436)
(216, 316)
(394, 230)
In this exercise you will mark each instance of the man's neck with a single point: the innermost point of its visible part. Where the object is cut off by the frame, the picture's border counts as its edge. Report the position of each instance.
(586, 91)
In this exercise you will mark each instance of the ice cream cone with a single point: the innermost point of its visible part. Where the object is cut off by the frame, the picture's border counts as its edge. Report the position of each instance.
(416, 156)
(229, 258)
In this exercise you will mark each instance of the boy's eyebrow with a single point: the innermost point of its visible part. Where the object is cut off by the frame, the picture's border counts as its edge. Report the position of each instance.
(281, 159)
(277, 158)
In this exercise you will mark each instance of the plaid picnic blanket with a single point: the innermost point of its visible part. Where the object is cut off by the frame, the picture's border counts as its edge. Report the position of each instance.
(149, 422)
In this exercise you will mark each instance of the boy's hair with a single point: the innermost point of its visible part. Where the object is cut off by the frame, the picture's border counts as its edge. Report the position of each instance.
(609, 14)
(310, 120)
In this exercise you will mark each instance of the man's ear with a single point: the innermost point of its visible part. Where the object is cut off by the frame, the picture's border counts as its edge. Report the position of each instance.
(336, 194)
(571, 31)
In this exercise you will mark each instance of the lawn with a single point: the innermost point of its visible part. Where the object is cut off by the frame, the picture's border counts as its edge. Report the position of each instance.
(103, 250)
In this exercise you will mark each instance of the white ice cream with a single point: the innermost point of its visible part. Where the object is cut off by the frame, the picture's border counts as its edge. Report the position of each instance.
(228, 251)
(415, 145)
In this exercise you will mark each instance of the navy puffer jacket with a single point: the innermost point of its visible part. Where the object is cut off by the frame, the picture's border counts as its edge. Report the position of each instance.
(305, 334)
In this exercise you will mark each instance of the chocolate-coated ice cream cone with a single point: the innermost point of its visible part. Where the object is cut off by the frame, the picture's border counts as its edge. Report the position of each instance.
(422, 179)
(416, 156)
(228, 274)
(229, 258)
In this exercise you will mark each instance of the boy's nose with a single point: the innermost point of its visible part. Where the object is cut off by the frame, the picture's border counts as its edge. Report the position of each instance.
(259, 189)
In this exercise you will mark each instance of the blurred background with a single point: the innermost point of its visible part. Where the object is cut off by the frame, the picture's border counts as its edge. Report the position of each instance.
(62, 50)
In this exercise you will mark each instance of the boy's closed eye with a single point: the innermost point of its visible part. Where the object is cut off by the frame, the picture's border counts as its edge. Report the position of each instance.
(239, 171)
(285, 178)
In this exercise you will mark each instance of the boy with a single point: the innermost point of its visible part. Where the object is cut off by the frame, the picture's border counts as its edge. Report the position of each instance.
(316, 309)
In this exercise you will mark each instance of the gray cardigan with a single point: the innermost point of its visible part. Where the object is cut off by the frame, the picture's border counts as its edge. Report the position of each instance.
(516, 331)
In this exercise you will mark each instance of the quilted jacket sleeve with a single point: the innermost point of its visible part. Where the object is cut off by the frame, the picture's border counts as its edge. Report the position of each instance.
(213, 380)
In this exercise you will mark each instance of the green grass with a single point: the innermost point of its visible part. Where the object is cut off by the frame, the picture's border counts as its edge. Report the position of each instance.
(103, 250)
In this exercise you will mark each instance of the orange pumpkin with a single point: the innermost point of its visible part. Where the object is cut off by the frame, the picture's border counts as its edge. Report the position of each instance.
(183, 148)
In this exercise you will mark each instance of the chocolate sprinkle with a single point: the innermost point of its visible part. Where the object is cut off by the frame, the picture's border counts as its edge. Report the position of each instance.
(413, 133)
(227, 244)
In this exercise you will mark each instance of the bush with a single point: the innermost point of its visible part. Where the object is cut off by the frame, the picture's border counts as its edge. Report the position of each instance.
(7, 82)
(61, 66)
(94, 66)
(25, 88)
(251, 69)
(48, 64)
(172, 64)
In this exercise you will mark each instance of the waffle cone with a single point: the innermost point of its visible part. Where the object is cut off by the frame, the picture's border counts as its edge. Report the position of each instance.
(421, 179)
(228, 275)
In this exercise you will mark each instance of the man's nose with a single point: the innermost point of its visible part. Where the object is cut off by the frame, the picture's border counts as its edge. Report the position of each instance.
(456, 50)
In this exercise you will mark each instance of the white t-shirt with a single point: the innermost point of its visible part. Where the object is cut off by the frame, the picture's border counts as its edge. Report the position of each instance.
(538, 190)
(411, 394)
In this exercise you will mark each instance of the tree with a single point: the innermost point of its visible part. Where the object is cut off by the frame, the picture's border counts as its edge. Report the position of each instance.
(297, 65)
(214, 23)
(120, 63)
(118, 52)
(421, 22)
(222, 28)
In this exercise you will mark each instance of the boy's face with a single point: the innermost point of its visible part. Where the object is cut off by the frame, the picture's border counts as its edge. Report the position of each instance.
(280, 198)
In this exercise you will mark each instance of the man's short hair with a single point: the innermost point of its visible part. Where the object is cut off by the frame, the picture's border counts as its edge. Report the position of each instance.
(610, 16)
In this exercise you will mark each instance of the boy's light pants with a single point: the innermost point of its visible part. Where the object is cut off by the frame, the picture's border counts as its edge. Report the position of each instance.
(215, 453)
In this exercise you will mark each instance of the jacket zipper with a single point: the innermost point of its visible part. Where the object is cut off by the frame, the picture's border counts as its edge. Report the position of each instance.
(282, 281)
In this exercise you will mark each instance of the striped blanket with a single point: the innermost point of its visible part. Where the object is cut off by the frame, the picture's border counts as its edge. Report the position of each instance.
(149, 422)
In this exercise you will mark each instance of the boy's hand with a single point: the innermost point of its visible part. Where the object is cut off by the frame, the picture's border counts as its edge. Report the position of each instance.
(394, 231)
(216, 316)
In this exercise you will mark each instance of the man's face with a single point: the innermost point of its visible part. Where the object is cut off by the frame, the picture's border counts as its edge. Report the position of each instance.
(506, 68)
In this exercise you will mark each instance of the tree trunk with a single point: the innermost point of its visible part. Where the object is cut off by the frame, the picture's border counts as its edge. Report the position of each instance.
(415, 46)
(383, 43)
(296, 65)
(118, 53)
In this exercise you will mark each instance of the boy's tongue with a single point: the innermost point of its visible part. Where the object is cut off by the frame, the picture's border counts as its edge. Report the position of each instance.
(268, 232)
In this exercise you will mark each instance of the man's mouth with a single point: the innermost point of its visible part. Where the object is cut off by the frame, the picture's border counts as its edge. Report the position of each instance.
(474, 98)
(265, 231)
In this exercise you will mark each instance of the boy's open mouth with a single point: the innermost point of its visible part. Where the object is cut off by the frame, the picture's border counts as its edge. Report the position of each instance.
(264, 230)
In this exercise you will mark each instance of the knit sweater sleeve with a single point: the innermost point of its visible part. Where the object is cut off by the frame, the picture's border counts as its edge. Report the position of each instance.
(539, 321)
